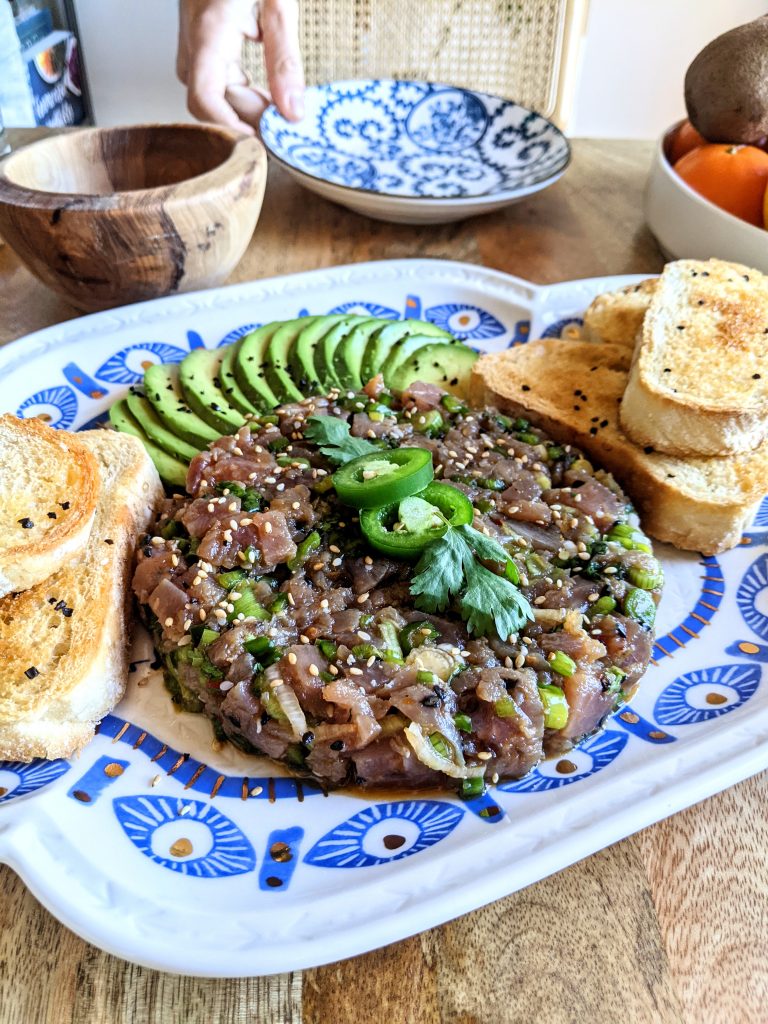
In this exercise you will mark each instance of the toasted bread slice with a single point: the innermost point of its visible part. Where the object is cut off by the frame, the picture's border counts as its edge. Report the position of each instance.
(617, 317)
(64, 644)
(699, 384)
(572, 389)
(48, 490)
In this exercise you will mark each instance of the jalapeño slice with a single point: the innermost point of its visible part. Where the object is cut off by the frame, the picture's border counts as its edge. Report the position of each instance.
(383, 478)
(451, 508)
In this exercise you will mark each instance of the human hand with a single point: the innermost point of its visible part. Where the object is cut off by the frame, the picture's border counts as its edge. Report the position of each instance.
(208, 61)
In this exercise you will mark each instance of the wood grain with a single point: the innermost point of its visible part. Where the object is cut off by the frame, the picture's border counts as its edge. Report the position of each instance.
(667, 927)
(108, 216)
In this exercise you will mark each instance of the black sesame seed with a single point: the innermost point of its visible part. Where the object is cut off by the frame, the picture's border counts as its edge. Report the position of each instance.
(755, 376)
(51, 515)
(603, 423)
(667, 370)
(63, 504)
(67, 613)
(593, 431)
(648, 449)
(31, 672)
(26, 523)
(525, 387)
(681, 327)
(108, 540)
(337, 745)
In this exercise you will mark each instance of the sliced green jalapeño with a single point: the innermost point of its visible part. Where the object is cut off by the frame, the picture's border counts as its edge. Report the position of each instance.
(382, 478)
(385, 530)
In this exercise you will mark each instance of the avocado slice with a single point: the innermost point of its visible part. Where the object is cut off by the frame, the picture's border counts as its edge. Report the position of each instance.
(381, 342)
(301, 358)
(170, 469)
(348, 358)
(448, 366)
(277, 358)
(201, 384)
(232, 390)
(326, 350)
(162, 388)
(404, 349)
(249, 366)
(156, 430)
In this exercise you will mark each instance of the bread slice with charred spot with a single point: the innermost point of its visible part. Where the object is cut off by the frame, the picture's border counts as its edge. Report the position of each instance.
(64, 644)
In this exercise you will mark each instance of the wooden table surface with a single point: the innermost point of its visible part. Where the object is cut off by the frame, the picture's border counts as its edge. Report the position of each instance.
(667, 926)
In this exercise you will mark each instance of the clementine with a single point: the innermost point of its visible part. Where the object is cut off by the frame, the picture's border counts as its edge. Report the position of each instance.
(683, 141)
(732, 177)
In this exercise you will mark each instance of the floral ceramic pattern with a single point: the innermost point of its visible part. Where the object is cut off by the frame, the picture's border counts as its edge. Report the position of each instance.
(708, 693)
(417, 139)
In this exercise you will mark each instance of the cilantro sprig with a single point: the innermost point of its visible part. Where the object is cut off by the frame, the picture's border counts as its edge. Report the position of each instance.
(449, 567)
(333, 437)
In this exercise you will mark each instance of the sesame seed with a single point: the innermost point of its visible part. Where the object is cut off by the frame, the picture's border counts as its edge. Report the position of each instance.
(324, 603)
(267, 527)
(304, 639)
(232, 507)
(317, 566)
(295, 504)
(291, 658)
(201, 614)
(155, 780)
(484, 755)
(336, 562)
(368, 560)
(354, 671)
(333, 670)
(362, 598)
(334, 549)
(314, 670)
(169, 621)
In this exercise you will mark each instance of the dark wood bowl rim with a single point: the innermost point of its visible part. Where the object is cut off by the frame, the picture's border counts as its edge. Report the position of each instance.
(13, 194)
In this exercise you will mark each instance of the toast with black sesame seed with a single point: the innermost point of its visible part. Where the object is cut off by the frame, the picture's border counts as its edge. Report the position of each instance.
(573, 393)
(47, 501)
(64, 643)
(699, 380)
(617, 317)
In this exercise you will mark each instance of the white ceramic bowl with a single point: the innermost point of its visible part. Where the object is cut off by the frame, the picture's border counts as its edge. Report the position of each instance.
(687, 226)
(416, 152)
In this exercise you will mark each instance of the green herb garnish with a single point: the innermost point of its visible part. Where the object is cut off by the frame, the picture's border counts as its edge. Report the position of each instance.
(450, 565)
(331, 434)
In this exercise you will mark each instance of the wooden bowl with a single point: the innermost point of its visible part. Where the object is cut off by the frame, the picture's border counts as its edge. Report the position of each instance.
(107, 216)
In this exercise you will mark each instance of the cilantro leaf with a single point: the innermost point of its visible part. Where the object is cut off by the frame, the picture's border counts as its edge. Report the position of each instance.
(491, 600)
(440, 572)
(488, 549)
(332, 436)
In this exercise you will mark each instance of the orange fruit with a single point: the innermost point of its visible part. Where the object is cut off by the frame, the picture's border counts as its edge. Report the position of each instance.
(683, 141)
(732, 177)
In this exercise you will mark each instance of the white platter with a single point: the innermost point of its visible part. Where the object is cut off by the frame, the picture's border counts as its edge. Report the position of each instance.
(354, 873)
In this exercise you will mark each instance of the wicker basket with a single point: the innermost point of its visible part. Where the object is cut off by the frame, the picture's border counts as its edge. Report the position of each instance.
(526, 50)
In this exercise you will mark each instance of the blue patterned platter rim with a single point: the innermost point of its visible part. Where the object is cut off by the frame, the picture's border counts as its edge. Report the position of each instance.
(123, 842)
(418, 141)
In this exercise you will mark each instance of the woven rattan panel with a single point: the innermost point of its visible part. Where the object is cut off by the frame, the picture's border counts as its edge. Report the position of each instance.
(508, 47)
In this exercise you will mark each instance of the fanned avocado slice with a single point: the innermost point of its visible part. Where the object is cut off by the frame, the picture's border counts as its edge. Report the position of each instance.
(170, 469)
(348, 359)
(250, 363)
(326, 350)
(277, 359)
(448, 366)
(381, 342)
(404, 349)
(301, 358)
(162, 388)
(232, 390)
(156, 430)
(201, 384)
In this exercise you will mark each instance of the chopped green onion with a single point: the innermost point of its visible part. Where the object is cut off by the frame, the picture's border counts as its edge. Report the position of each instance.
(430, 423)
(304, 550)
(364, 651)
(615, 676)
(173, 528)
(392, 650)
(229, 580)
(603, 605)
(279, 604)
(425, 677)
(562, 664)
(639, 605)
(470, 788)
(490, 483)
(278, 444)
(206, 637)
(323, 485)
(463, 723)
(555, 707)
(453, 405)
(646, 579)
(247, 606)
(258, 645)
(527, 438)
(268, 420)
(440, 745)
(555, 451)
(294, 755)
(485, 506)
(251, 554)
(293, 460)
(505, 707)
(416, 634)
(327, 648)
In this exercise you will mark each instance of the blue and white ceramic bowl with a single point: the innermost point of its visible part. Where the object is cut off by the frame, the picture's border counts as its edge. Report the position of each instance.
(416, 152)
